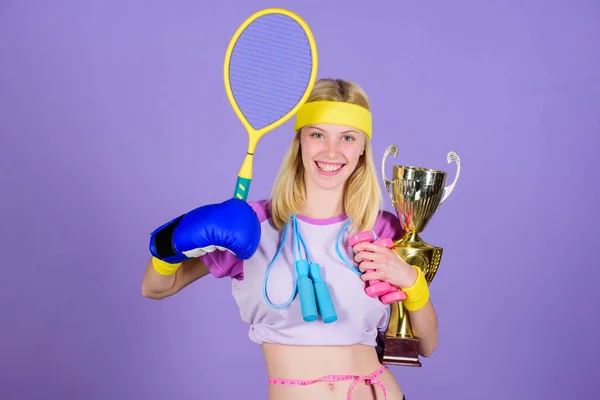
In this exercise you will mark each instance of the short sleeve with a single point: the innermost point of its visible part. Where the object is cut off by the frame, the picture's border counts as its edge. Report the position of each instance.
(388, 225)
(223, 264)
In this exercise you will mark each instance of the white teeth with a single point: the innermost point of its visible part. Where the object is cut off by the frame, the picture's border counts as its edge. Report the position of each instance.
(329, 167)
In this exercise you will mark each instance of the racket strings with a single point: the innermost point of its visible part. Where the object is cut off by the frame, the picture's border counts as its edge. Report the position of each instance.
(268, 39)
(270, 69)
(243, 88)
(263, 69)
(260, 108)
(276, 32)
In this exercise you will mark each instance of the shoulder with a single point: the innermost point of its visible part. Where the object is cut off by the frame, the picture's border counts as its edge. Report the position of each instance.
(262, 208)
(387, 225)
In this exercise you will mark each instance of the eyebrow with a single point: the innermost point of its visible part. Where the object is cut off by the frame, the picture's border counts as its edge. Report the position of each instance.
(319, 129)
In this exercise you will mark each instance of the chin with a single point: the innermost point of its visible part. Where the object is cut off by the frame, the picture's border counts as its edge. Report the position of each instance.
(327, 186)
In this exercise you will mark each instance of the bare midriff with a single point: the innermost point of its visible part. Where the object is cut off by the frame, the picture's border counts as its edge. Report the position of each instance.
(313, 362)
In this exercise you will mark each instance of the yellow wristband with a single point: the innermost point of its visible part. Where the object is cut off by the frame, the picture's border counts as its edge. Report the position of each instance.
(418, 294)
(163, 267)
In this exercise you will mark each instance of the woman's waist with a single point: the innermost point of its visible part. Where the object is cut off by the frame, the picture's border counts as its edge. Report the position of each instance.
(312, 362)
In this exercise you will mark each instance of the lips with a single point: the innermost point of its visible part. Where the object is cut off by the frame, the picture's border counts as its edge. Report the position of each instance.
(329, 168)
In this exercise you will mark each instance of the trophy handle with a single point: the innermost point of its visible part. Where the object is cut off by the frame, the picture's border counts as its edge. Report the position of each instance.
(452, 157)
(392, 150)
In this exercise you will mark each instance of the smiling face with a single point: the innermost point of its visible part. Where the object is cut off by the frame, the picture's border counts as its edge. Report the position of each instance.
(330, 153)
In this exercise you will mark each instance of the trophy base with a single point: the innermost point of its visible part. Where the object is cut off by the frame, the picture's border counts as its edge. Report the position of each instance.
(400, 351)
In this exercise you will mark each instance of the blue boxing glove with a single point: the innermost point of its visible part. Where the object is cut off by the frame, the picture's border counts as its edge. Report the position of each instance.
(232, 225)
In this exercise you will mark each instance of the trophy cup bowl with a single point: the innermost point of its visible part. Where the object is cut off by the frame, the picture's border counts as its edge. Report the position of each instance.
(416, 194)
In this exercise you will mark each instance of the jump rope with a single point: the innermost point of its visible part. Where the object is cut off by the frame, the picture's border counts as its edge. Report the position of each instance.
(312, 290)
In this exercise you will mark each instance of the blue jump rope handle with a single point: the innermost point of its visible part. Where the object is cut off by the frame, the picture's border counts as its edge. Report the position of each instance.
(306, 291)
(326, 307)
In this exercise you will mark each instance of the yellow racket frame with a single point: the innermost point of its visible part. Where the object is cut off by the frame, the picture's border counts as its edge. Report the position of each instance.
(245, 174)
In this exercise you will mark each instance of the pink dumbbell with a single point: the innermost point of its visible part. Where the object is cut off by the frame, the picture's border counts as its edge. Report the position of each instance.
(393, 297)
(375, 287)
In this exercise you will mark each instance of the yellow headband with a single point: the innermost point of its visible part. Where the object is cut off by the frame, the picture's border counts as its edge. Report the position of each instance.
(334, 112)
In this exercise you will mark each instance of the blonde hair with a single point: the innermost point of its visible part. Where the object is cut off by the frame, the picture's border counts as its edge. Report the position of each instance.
(362, 194)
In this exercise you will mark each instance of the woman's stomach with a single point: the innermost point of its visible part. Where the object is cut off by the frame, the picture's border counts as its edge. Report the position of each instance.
(313, 362)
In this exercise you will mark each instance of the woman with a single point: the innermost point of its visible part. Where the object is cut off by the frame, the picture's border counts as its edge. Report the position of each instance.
(326, 191)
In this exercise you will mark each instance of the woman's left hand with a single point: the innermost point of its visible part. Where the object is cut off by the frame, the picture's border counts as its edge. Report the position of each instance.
(383, 264)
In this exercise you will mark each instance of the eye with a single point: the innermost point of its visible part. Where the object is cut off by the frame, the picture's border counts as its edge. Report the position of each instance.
(347, 138)
(316, 135)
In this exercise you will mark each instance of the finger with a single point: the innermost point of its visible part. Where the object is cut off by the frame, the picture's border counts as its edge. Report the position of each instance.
(375, 248)
(370, 256)
(367, 266)
(374, 274)
(370, 267)
(359, 247)
(362, 246)
(362, 256)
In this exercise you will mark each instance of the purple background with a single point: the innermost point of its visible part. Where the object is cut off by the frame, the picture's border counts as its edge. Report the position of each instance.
(113, 118)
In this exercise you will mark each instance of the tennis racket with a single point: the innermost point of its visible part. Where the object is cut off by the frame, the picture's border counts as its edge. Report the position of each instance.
(270, 70)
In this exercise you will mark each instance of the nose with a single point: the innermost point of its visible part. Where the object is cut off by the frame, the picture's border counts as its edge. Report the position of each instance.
(332, 148)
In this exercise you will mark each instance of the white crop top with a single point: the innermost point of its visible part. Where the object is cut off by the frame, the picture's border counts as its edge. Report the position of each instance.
(359, 317)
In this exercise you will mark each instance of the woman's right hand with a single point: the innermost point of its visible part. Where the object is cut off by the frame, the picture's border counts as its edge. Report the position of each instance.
(231, 225)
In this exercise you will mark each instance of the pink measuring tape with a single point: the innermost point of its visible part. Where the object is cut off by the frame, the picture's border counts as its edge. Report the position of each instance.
(370, 379)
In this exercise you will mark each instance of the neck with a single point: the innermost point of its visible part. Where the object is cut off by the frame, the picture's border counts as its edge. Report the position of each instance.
(323, 204)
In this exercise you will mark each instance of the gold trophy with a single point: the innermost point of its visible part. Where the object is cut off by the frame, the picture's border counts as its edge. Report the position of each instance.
(416, 195)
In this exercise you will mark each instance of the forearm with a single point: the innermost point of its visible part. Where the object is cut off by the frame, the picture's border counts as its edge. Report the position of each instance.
(425, 327)
(155, 285)
(158, 286)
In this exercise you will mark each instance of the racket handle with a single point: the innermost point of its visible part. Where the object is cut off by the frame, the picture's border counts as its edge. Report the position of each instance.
(306, 292)
(242, 187)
